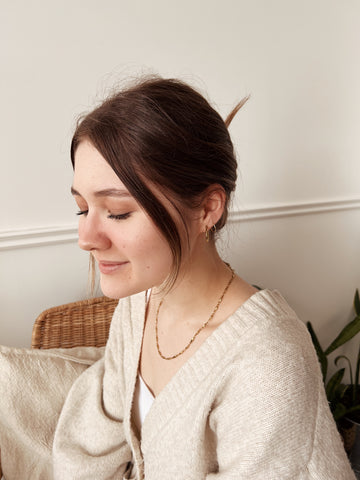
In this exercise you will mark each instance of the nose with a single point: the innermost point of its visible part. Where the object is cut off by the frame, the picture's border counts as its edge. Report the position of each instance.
(91, 234)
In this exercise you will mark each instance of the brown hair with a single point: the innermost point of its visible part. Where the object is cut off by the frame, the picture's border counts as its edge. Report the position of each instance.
(166, 132)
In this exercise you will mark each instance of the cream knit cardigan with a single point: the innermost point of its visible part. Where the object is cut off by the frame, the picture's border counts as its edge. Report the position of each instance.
(249, 404)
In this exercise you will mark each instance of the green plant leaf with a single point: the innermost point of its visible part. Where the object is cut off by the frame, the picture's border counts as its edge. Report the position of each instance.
(339, 412)
(334, 384)
(357, 303)
(349, 363)
(320, 353)
(337, 403)
(342, 390)
(346, 334)
(356, 380)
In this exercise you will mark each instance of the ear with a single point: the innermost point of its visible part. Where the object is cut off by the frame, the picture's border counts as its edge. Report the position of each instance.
(213, 205)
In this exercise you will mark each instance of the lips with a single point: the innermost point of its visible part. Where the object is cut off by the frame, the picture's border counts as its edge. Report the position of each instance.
(110, 267)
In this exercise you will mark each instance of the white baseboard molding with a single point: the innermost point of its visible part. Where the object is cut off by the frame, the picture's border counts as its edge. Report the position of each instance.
(34, 237)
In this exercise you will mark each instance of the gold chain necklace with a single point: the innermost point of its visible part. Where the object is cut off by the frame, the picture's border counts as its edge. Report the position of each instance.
(199, 330)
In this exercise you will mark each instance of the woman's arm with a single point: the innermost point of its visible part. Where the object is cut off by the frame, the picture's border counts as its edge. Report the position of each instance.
(272, 421)
(88, 443)
(90, 440)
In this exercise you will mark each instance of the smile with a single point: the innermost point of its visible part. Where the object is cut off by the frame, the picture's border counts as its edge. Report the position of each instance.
(110, 267)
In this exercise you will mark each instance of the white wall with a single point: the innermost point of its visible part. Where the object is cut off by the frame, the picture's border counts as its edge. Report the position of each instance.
(296, 218)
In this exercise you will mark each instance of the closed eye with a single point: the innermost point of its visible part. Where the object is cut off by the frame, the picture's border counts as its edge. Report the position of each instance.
(82, 212)
(121, 216)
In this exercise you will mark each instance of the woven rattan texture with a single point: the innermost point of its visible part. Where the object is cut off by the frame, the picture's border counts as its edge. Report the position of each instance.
(85, 323)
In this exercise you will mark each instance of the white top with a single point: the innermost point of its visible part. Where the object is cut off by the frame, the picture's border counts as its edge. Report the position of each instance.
(143, 399)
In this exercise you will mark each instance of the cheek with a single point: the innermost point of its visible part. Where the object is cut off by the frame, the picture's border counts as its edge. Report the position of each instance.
(153, 249)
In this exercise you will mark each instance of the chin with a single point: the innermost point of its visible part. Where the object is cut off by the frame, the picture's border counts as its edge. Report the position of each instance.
(117, 290)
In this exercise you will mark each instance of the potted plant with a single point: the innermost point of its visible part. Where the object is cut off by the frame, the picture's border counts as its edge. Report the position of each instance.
(344, 399)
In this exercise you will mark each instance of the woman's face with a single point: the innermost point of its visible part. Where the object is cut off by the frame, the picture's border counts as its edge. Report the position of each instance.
(131, 253)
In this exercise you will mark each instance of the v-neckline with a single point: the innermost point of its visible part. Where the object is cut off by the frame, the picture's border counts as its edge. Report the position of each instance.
(199, 363)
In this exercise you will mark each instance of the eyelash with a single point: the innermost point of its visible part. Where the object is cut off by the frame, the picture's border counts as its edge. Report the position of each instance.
(121, 216)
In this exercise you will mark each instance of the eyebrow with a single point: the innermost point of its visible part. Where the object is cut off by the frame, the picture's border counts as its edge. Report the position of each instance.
(107, 192)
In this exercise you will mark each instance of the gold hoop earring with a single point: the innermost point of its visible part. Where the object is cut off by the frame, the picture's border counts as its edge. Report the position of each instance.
(207, 235)
(207, 232)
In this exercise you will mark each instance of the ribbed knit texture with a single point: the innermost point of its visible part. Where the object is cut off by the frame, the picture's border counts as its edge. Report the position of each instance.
(248, 405)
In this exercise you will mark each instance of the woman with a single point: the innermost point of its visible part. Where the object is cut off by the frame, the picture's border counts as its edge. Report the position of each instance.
(203, 376)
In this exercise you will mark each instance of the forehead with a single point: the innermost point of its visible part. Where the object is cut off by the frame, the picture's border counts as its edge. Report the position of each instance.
(92, 172)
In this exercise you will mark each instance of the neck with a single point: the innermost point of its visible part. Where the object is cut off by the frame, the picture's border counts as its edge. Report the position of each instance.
(202, 278)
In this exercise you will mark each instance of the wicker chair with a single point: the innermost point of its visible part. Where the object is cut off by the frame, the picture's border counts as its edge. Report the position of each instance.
(85, 323)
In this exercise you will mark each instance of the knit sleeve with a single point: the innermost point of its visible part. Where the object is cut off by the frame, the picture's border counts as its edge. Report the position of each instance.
(266, 418)
(89, 440)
